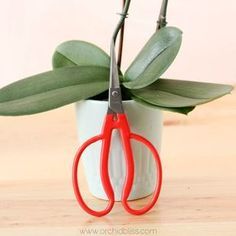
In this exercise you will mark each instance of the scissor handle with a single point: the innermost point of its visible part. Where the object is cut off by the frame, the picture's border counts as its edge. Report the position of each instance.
(157, 190)
(126, 136)
(120, 122)
(104, 175)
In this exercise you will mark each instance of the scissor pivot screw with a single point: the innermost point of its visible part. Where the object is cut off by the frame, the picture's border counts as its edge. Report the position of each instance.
(115, 93)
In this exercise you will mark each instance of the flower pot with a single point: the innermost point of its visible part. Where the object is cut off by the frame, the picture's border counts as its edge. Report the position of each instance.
(143, 120)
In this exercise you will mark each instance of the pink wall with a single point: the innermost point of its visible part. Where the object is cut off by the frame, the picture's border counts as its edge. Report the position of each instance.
(30, 30)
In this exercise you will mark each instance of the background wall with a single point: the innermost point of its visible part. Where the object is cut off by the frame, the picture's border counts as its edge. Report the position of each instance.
(31, 29)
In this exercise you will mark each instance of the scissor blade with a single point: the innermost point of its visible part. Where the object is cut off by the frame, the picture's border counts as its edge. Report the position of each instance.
(115, 100)
(114, 74)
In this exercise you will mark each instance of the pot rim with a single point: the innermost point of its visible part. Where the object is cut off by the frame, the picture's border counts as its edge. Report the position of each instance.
(104, 102)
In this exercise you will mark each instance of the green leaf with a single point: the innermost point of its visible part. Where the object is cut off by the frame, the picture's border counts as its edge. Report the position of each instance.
(177, 94)
(154, 59)
(52, 89)
(181, 110)
(79, 53)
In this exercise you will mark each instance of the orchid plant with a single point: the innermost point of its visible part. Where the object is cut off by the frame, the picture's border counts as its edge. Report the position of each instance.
(81, 71)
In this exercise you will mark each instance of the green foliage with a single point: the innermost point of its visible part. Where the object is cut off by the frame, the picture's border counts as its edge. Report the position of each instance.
(81, 71)
(178, 94)
(52, 89)
(181, 110)
(155, 57)
(80, 53)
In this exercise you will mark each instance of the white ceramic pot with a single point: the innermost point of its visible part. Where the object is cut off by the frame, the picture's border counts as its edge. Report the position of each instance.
(143, 120)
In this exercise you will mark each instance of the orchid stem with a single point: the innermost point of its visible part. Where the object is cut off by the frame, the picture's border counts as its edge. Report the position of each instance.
(121, 41)
(122, 20)
(162, 16)
(160, 24)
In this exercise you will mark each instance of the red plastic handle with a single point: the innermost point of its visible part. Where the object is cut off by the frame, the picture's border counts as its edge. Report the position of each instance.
(126, 137)
(117, 122)
(104, 174)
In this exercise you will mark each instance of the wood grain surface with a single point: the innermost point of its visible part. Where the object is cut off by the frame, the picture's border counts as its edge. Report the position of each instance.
(199, 189)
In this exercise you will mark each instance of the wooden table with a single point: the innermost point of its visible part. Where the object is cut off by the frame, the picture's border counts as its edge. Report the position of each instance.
(199, 189)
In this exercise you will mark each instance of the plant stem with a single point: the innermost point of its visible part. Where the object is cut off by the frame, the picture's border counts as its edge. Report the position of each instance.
(162, 16)
(121, 41)
(160, 23)
(122, 19)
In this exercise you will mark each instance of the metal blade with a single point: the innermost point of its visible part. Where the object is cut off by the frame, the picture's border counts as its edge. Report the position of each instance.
(115, 99)
(114, 74)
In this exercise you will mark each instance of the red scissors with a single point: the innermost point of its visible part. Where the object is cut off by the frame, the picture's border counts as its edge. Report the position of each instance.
(116, 119)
